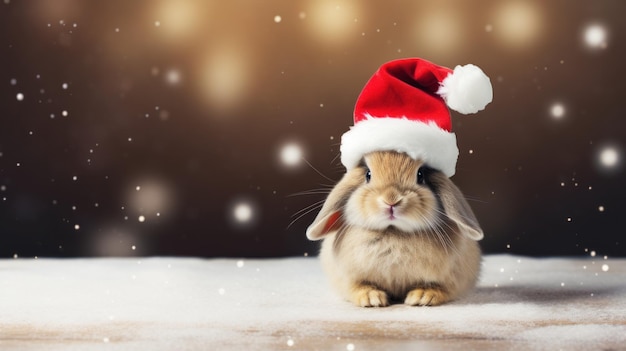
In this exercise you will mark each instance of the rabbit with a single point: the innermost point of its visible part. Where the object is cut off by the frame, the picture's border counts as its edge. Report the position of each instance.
(395, 229)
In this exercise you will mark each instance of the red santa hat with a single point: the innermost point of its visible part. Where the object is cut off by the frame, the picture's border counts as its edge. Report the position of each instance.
(404, 108)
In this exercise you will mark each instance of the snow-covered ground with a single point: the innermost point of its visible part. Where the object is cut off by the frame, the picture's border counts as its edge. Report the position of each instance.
(197, 304)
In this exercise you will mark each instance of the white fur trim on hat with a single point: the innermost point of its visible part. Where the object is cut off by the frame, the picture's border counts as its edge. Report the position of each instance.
(427, 142)
(467, 89)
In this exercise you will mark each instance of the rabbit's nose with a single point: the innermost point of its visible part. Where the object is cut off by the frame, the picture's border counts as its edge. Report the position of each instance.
(390, 198)
(392, 203)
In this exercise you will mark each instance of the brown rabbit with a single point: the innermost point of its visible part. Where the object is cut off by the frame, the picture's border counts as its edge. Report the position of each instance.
(395, 229)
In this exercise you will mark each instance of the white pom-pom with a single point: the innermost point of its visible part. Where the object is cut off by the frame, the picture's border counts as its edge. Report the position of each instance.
(466, 90)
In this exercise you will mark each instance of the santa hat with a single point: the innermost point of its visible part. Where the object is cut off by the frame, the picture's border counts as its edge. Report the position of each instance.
(404, 108)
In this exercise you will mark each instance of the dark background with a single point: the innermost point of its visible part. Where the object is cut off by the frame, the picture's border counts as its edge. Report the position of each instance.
(159, 127)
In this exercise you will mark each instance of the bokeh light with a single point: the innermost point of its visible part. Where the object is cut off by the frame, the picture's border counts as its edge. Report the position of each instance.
(595, 36)
(243, 213)
(173, 76)
(291, 154)
(176, 18)
(439, 30)
(331, 21)
(557, 111)
(150, 198)
(224, 76)
(609, 157)
(517, 23)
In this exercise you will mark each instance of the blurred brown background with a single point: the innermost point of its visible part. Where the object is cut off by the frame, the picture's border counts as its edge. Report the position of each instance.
(185, 127)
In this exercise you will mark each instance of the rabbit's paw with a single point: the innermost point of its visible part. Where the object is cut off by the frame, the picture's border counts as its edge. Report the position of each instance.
(426, 297)
(369, 296)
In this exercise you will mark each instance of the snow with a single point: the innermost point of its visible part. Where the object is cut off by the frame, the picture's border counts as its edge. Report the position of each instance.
(189, 303)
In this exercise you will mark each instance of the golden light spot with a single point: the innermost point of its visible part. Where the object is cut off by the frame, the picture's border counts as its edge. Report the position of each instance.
(331, 21)
(517, 23)
(176, 18)
(224, 77)
(439, 31)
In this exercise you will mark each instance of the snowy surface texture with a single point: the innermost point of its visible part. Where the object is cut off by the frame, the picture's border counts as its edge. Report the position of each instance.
(286, 304)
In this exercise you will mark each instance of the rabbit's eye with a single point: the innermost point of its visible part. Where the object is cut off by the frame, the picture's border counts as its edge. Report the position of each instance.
(421, 175)
(368, 176)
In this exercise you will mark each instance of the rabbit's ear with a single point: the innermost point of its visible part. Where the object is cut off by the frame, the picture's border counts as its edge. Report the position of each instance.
(331, 216)
(324, 225)
(459, 211)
